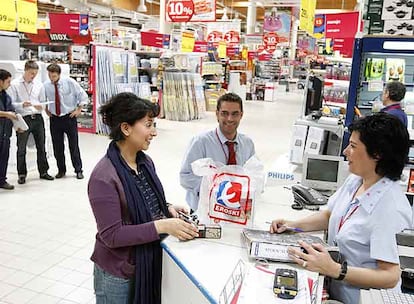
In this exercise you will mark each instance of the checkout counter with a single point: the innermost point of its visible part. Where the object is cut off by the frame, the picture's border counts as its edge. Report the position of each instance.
(199, 270)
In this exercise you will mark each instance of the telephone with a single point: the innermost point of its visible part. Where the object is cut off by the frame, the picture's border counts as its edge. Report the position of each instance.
(308, 198)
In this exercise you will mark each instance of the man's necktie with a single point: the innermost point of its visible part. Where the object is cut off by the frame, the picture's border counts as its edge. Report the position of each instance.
(232, 153)
(57, 100)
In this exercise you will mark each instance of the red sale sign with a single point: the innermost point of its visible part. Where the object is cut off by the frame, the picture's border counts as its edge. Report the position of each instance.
(232, 38)
(270, 40)
(344, 25)
(180, 10)
(215, 37)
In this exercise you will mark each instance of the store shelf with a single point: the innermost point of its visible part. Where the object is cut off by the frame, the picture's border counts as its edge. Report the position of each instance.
(335, 104)
(79, 75)
(337, 82)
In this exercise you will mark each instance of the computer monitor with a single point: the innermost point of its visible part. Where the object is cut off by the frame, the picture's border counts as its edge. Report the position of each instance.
(323, 172)
(313, 94)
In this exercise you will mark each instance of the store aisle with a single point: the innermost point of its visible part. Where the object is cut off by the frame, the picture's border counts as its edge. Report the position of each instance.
(47, 228)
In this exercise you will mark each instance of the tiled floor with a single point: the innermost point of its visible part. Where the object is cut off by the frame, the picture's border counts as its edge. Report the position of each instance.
(47, 228)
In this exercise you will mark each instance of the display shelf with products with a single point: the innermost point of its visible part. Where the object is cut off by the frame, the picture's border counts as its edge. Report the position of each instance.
(376, 61)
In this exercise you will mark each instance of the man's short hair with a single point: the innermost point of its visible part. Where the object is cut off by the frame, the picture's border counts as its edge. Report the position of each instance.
(54, 68)
(31, 65)
(4, 75)
(229, 97)
(396, 90)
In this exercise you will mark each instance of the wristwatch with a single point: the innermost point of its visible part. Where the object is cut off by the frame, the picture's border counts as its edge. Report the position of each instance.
(344, 270)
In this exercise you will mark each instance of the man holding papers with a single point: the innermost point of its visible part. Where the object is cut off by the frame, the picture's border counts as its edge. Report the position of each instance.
(68, 97)
(7, 115)
(26, 95)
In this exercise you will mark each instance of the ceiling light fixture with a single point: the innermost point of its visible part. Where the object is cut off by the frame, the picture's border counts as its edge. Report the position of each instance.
(224, 17)
(142, 8)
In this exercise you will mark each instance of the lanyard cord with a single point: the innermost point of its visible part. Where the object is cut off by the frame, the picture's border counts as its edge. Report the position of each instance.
(29, 93)
(344, 218)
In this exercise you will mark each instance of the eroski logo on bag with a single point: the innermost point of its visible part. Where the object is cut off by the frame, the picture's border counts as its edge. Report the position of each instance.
(229, 194)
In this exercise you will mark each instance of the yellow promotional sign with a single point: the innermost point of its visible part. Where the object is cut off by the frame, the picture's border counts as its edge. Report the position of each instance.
(187, 42)
(222, 49)
(307, 15)
(27, 16)
(8, 15)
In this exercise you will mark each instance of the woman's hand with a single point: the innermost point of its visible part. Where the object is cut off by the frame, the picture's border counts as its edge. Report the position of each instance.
(177, 227)
(175, 209)
(278, 226)
(316, 259)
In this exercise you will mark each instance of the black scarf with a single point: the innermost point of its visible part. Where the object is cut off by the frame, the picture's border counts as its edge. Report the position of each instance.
(148, 257)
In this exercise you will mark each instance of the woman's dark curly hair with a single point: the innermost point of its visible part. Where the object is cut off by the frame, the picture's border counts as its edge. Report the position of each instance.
(387, 140)
(126, 107)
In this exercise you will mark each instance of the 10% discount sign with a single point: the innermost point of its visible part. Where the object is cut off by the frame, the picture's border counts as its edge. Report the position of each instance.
(180, 10)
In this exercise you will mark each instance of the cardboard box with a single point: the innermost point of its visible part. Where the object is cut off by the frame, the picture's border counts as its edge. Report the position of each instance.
(315, 140)
(297, 145)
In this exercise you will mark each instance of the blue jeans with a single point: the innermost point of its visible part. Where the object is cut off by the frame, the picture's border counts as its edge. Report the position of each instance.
(110, 289)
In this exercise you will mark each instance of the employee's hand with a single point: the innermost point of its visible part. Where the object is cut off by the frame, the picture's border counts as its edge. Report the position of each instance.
(316, 259)
(19, 130)
(278, 226)
(38, 107)
(48, 112)
(26, 104)
(176, 227)
(75, 113)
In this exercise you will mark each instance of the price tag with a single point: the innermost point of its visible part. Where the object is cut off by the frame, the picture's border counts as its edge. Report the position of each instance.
(27, 16)
(180, 10)
(8, 15)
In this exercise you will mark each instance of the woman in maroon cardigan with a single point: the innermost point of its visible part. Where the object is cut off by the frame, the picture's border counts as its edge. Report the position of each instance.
(130, 209)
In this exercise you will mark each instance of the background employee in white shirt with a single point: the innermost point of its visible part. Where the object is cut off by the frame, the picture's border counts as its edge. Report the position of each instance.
(26, 95)
(68, 97)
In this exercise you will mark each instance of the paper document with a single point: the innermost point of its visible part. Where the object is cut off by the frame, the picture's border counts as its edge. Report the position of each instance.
(20, 123)
(257, 287)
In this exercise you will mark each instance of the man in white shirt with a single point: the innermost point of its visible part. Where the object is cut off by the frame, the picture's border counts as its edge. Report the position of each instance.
(68, 99)
(26, 95)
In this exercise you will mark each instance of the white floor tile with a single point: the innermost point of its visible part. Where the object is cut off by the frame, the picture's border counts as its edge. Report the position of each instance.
(44, 299)
(80, 295)
(5, 289)
(56, 273)
(19, 278)
(75, 278)
(5, 272)
(39, 284)
(59, 289)
(19, 296)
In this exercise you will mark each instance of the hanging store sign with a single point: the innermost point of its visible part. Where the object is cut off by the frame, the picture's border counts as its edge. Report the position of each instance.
(229, 32)
(344, 25)
(200, 47)
(253, 39)
(319, 26)
(45, 37)
(307, 15)
(270, 40)
(154, 39)
(27, 16)
(72, 24)
(187, 42)
(345, 46)
(8, 15)
(190, 11)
